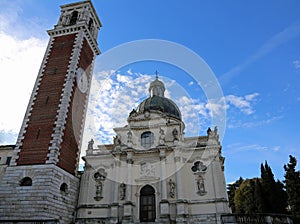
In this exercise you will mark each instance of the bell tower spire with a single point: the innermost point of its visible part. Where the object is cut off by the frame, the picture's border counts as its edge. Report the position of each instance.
(48, 146)
(52, 129)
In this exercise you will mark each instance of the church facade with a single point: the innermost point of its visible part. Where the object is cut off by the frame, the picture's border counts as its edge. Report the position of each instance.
(150, 173)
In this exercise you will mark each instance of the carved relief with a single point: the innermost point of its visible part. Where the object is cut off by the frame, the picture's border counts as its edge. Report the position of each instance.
(199, 170)
(199, 167)
(172, 188)
(147, 169)
(100, 175)
(122, 191)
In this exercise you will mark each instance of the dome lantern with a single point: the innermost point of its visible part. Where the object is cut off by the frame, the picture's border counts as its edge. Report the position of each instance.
(158, 102)
(157, 87)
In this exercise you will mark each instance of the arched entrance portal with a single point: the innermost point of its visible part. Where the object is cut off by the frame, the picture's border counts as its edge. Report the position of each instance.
(147, 204)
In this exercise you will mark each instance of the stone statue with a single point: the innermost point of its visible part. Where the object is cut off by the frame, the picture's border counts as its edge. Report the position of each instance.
(172, 188)
(208, 131)
(200, 186)
(216, 130)
(91, 144)
(213, 133)
(99, 188)
(117, 140)
(133, 112)
(122, 191)
(175, 134)
(161, 136)
(129, 137)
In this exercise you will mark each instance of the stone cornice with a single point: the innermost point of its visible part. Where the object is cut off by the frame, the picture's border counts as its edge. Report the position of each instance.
(64, 30)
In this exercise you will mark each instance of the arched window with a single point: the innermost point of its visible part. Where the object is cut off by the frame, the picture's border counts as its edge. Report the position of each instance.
(26, 181)
(147, 204)
(64, 188)
(147, 139)
(74, 17)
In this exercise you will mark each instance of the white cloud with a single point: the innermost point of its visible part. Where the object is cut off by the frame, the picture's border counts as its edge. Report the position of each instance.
(240, 147)
(252, 96)
(296, 64)
(113, 96)
(242, 103)
(20, 60)
(216, 107)
(252, 124)
(191, 83)
(279, 38)
(194, 113)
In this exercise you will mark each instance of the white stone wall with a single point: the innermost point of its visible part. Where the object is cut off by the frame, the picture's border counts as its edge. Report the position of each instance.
(193, 206)
(42, 200)
(5, 152)
(199, 196)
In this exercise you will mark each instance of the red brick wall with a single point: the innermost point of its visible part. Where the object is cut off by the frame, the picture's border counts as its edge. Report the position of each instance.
(69, 151)
(37, 138)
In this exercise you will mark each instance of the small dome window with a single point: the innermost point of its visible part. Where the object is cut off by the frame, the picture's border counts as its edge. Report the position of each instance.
(26, 181)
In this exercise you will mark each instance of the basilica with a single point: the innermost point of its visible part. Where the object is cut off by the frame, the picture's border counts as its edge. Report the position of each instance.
(151, 173)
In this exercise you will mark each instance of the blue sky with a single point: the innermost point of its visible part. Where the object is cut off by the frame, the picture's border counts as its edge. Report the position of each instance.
(253, 48)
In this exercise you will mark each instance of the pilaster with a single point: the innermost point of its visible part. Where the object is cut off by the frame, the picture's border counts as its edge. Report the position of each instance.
(30, 105)
(62, 112)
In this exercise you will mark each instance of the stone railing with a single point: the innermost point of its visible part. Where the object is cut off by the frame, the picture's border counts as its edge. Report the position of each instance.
(256, 219)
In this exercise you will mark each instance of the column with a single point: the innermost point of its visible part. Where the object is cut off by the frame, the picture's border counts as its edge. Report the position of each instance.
(164, 204)
(177, 174)
(181, 210)
(128, 206)
(164, 195)
(116, 179)
(115, 196)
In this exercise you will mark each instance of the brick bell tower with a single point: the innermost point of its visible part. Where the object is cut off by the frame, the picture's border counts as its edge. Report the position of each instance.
(41, 182)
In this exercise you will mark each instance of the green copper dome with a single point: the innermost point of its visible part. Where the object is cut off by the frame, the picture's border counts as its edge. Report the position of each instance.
(158, 102)
(162, 104)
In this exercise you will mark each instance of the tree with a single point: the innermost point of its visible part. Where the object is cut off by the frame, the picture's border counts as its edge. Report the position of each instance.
(231, 188)
(258, 195)
(274, 198)
(292, 185)
(248, 197)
